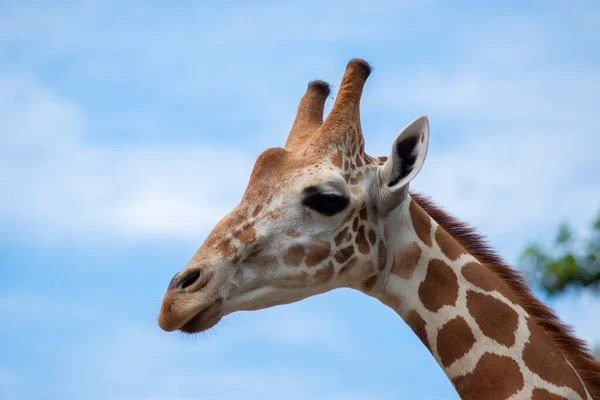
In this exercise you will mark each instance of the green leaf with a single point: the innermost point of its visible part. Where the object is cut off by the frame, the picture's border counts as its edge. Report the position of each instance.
(564, 234)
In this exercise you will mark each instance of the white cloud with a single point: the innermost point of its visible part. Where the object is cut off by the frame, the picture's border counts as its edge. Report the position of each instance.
(61, 185)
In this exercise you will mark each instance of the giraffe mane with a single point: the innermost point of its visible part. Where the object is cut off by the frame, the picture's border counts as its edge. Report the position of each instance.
(574, 349)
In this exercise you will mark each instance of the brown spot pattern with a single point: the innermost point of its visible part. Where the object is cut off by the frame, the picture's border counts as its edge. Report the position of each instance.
(483, 278)
(337, 159)
(348, 216)
(392, 300)
(361, 241)
(292, 233)
(495, 319)
(246, 235)
(543, 394)
(382, 253)
(543, 358)
(294, 255)
(256, 211)
(344, 254)
(324, 274)
(440, 286)
(449, 246)
(355, 224)
(406, 261)
(359, 161)
(226, 248)
(317, 252)
(348, 266)
(363, 213)
(454, 340)
(343, 236)
(417, 324)
(494, 378)
(372, 237)
(421, 222)
(474, 273)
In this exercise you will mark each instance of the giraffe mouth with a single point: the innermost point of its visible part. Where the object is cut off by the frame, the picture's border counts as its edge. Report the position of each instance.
(205, 319)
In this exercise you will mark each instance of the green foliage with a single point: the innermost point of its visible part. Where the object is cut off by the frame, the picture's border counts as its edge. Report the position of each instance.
(569, 263)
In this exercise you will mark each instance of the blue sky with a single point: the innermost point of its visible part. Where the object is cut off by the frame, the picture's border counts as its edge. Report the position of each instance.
(128, 130)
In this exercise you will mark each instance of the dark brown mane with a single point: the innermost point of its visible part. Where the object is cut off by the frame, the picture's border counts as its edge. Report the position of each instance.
(575, 350)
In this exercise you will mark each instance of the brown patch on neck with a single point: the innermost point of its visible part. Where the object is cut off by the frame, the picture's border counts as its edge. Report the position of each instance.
(543, 394)
(421, 222)
(543, 358)
(450, 247)
(406, 261)
(494, 378)
(573, 349)
(495, 319)
(483, 278)
(454, 340)
(417, 324)
(440, 287)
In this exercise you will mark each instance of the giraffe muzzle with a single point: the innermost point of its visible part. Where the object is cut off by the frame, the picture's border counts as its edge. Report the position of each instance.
(190, 305)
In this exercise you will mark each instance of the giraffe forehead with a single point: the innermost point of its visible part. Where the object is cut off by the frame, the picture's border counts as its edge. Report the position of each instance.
(281, 175)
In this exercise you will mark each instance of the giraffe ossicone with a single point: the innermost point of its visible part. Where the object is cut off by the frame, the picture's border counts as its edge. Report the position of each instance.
(321, 214)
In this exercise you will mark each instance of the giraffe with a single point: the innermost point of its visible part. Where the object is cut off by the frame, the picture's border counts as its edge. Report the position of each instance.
(321, 214)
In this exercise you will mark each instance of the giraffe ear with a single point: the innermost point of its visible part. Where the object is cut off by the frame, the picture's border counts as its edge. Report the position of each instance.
(405, 160)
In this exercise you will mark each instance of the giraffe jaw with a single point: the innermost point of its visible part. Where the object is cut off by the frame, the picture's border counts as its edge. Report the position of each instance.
(205, 319)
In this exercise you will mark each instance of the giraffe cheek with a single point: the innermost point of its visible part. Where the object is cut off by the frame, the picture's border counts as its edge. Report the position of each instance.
(295, 280)
(317, 253)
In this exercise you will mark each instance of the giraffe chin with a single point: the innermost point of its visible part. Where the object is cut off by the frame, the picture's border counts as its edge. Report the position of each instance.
(205, 319)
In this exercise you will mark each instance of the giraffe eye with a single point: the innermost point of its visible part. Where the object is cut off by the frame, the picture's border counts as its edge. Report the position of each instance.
(327, 204)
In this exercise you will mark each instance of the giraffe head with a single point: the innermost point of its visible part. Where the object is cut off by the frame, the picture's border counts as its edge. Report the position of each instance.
(312, 218)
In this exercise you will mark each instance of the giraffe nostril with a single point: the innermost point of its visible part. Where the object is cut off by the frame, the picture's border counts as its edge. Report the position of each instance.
(189, 279)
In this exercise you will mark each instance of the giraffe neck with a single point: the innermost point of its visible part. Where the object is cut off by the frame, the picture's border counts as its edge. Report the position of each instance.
(468, 317)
